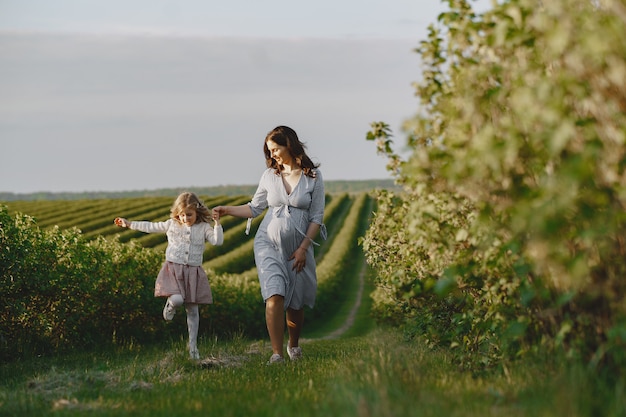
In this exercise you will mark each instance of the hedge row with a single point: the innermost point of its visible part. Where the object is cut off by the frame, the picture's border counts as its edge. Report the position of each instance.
(334, 269)
(61, 292)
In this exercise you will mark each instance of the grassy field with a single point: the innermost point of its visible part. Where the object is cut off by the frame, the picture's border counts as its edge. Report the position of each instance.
(362, 370)
(376, 374)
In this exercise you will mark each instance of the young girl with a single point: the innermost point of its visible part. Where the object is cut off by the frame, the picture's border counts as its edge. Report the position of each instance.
(182, 279)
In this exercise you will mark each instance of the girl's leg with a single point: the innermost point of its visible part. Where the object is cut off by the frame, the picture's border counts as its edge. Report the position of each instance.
(274, 318)
(173, 302)
(176, 300)
(193, 322)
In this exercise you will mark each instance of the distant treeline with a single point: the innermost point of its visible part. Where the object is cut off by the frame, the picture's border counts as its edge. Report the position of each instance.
(340, 186)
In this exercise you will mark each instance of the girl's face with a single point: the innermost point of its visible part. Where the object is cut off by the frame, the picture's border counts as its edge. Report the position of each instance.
(188, 216)
(279, 153)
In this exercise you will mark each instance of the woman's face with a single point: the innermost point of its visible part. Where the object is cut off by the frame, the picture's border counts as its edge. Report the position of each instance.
(279, 153)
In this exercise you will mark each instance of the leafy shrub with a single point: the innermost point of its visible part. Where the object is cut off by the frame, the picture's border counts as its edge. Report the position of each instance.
(509, 234)
(237, 307)
(61, 292)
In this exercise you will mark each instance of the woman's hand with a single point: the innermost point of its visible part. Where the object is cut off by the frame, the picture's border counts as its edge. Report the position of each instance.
(243, 210)
(218, 212)
(300, 259)
(216, 217)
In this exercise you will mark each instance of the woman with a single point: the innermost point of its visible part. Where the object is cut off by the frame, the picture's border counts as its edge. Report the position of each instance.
(293, 189)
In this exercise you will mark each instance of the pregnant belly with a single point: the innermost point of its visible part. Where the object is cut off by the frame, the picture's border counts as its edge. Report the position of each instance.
(280, 231)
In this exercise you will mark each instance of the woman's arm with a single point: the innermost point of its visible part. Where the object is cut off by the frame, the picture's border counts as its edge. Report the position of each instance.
(243, 211)
(250, 210)
(311, 233)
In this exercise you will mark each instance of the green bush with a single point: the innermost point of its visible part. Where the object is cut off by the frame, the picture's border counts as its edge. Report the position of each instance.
(61, 292)
(509, 234)
(237, 307)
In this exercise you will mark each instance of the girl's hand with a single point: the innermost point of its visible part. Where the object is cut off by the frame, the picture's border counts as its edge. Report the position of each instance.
(215, 214)
(121, 222)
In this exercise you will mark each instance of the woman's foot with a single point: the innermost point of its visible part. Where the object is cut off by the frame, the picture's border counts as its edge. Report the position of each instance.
(275, 358)
(294, 353)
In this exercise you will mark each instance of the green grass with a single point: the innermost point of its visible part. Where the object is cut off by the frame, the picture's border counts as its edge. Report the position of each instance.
(377, 374)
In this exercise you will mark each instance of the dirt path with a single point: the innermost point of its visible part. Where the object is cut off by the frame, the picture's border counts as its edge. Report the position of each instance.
(352, 315)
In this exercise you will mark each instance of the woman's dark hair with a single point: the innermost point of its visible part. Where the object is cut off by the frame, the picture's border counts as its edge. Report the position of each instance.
(287, 137)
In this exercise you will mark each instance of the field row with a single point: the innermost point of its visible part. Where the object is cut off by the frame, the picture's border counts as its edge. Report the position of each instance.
(70, 288)
(95, 218)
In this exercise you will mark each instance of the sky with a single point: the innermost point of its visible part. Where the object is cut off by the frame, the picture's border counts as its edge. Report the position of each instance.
(123, 95)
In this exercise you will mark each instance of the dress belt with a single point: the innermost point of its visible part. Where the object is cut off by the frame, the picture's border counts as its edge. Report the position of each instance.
(283, 210)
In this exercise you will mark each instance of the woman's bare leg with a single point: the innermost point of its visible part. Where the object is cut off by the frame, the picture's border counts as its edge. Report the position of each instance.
(295, 321)
(274, 318)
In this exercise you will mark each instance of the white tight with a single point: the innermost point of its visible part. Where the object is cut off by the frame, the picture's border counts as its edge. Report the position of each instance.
(193, 322)
(176, 300)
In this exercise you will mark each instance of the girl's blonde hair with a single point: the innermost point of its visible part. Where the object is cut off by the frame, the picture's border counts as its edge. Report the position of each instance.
(186, 201)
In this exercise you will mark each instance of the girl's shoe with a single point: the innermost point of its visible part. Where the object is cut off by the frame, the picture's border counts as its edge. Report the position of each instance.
(168, 311)
(194, 354)
(294, 353)
(275, 358)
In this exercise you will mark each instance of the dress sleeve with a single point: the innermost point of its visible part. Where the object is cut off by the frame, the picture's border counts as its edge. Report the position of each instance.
(318, 201)
(259, 200)
(151, 227)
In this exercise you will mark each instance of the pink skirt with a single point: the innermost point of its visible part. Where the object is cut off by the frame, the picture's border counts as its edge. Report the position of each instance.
(189, 281)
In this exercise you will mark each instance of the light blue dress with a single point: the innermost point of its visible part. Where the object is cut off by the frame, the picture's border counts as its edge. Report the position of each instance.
(281, 232)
